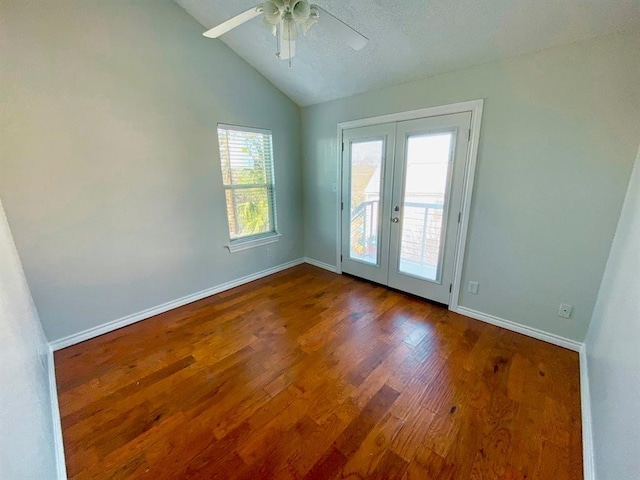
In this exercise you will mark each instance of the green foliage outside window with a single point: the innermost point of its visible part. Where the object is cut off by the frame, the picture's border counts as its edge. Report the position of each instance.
(247, 171)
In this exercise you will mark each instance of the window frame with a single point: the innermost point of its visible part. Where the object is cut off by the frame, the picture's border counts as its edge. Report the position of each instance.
(258, 239)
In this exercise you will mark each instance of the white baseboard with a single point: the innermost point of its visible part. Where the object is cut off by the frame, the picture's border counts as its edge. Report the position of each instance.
(61, 466)
(587, 432)
(523, 329)
(318, 264)
(165, 307)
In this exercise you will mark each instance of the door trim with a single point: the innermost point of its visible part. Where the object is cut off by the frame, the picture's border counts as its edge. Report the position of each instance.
(473, 106)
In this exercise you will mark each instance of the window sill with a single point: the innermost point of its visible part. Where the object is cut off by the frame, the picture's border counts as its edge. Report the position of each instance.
(240, 245)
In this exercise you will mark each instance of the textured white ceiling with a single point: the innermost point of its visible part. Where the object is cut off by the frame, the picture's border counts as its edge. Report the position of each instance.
(410, 39)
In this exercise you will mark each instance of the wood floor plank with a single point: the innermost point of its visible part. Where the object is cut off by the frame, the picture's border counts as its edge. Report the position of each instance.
(413, 432)
(328, 466)
(390, 466)
(372, 449)
(308, 374)
(350, 440)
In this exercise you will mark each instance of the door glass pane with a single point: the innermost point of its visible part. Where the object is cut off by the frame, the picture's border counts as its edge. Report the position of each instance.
(425, 193)
(366, 165)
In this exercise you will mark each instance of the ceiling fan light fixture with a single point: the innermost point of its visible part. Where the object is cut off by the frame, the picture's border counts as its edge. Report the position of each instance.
(301, 11)
(272, 13)
(283, 18)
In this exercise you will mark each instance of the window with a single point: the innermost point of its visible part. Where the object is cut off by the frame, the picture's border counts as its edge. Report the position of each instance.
(246, 157)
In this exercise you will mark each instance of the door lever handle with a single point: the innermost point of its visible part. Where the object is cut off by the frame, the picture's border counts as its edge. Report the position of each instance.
(395, 220)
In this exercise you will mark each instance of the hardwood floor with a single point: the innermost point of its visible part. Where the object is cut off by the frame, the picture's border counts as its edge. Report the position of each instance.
(307, 374)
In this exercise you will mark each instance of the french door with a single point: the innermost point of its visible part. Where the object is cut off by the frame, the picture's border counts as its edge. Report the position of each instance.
(402, 196)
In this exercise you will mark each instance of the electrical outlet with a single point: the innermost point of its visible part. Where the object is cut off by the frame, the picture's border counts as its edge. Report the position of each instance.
(473, 288)
(268, 253)
(565, 310)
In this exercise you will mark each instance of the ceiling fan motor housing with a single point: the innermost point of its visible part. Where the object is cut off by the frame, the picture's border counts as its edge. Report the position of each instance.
(300, 12)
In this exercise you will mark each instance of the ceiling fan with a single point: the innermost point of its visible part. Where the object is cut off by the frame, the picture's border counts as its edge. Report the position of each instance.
(284, 17)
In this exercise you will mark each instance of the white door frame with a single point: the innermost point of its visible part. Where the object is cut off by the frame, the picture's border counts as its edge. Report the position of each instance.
(473, 106)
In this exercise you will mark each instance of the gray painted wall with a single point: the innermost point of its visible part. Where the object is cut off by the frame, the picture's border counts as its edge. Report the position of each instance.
(559, 136)
(613, 347)
(109, 159)
(26, 428)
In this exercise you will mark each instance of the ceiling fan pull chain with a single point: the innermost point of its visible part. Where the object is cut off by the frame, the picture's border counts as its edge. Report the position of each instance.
(289, 28)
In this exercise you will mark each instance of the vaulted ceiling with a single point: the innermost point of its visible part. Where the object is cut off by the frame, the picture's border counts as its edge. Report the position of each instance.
(410, 39)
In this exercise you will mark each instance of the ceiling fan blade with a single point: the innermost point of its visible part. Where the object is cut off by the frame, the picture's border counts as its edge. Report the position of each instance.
(341, 30)
(232, 23)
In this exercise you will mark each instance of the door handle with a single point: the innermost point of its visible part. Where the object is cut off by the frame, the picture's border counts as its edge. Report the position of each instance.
(395, 220)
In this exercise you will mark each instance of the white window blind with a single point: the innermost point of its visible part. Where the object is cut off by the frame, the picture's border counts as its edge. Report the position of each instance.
(246, 157)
